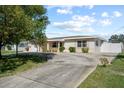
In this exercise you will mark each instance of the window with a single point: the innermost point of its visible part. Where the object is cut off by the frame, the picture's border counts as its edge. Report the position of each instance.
(54, 44)
(81, 43)
(61, 44)
(97, 43)
(78, 43)
(84, 44)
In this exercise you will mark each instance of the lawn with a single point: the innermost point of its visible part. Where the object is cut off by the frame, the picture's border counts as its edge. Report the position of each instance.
(111, 76)
(11, 65)
(8, 52)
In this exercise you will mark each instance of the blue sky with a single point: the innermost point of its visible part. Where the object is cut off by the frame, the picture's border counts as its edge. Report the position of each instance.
(100, 20)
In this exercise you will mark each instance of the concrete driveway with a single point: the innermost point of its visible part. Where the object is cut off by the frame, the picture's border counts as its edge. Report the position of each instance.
(61, 70)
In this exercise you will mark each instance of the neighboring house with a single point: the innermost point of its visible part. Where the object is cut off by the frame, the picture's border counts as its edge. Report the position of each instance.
(26, 46)
(92, 42)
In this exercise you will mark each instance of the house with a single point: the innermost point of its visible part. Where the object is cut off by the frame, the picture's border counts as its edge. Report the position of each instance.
(25, 46)
(92, 42)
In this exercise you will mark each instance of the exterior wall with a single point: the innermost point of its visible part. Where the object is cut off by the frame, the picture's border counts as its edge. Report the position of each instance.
(100, 42)
(111, 47)
(32, 48)
(69, 43)
(91, 45)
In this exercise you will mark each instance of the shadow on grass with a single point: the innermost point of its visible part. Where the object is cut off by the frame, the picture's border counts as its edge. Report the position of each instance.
(120, 56)
(11, 62)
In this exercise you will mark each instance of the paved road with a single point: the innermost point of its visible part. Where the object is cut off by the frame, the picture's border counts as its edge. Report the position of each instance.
(61, 70)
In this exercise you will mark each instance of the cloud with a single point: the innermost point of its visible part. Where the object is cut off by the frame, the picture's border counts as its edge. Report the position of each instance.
(83, 29)
(67, 24)
(68, 9)
(117, 14)
(65, 10)
(55, 33)
(77, 23)
(91, 6)
(105, 14)
(93, 13)
(88, 29)
(84, 20)
(106, 22)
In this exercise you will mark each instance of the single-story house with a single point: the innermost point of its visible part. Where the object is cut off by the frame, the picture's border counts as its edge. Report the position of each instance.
(92, 42)
(26, 46)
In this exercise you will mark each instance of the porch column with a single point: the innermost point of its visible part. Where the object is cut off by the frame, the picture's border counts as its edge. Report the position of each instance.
(58, 46)
(48, 46)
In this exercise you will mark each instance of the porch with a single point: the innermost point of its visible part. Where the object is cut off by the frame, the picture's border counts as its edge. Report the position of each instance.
(53, 46)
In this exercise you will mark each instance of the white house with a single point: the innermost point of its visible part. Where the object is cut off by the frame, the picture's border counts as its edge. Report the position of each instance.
(26, 46)
(92, 42)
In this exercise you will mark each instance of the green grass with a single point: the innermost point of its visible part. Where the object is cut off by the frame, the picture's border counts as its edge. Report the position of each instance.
(8, 52)
(111, 76)
(13, 65)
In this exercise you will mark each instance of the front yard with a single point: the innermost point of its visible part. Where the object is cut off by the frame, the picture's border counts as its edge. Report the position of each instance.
(10, 64)
(7, 52)
(111, 76)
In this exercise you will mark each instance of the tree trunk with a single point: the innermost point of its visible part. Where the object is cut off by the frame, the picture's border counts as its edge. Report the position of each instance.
(0, 51)
(16, 49)
(39, 48)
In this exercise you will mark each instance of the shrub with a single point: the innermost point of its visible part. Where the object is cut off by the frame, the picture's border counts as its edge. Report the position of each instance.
(85, 50)
(48, 51)
(9, 47)
(72, 49)
(104, 61)
(61, 49)
(54, 49)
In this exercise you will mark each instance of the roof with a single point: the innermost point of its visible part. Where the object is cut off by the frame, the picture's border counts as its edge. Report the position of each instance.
(74, 37)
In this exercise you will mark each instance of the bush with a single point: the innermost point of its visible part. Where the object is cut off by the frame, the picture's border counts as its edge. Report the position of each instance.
(85, 50)
(9, 47)
(54, 49)
(104, 61)
(61, 49)
(72, 49)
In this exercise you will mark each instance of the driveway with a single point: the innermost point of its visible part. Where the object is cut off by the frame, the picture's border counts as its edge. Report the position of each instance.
(61, 70)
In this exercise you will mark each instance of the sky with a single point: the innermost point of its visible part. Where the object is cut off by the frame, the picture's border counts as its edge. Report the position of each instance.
(98, 20)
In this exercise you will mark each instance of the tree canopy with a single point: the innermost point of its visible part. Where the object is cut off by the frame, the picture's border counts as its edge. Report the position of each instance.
(21, 22)
(117, 38)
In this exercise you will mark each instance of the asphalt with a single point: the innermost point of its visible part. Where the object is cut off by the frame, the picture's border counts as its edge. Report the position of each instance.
(63, 70)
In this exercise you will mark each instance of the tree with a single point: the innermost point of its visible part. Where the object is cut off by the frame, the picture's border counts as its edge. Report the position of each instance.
(38, 13)
(117, 38)
(39, 39)
(19, 23)
(6, 29)
(23, 25)
(15, 26)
